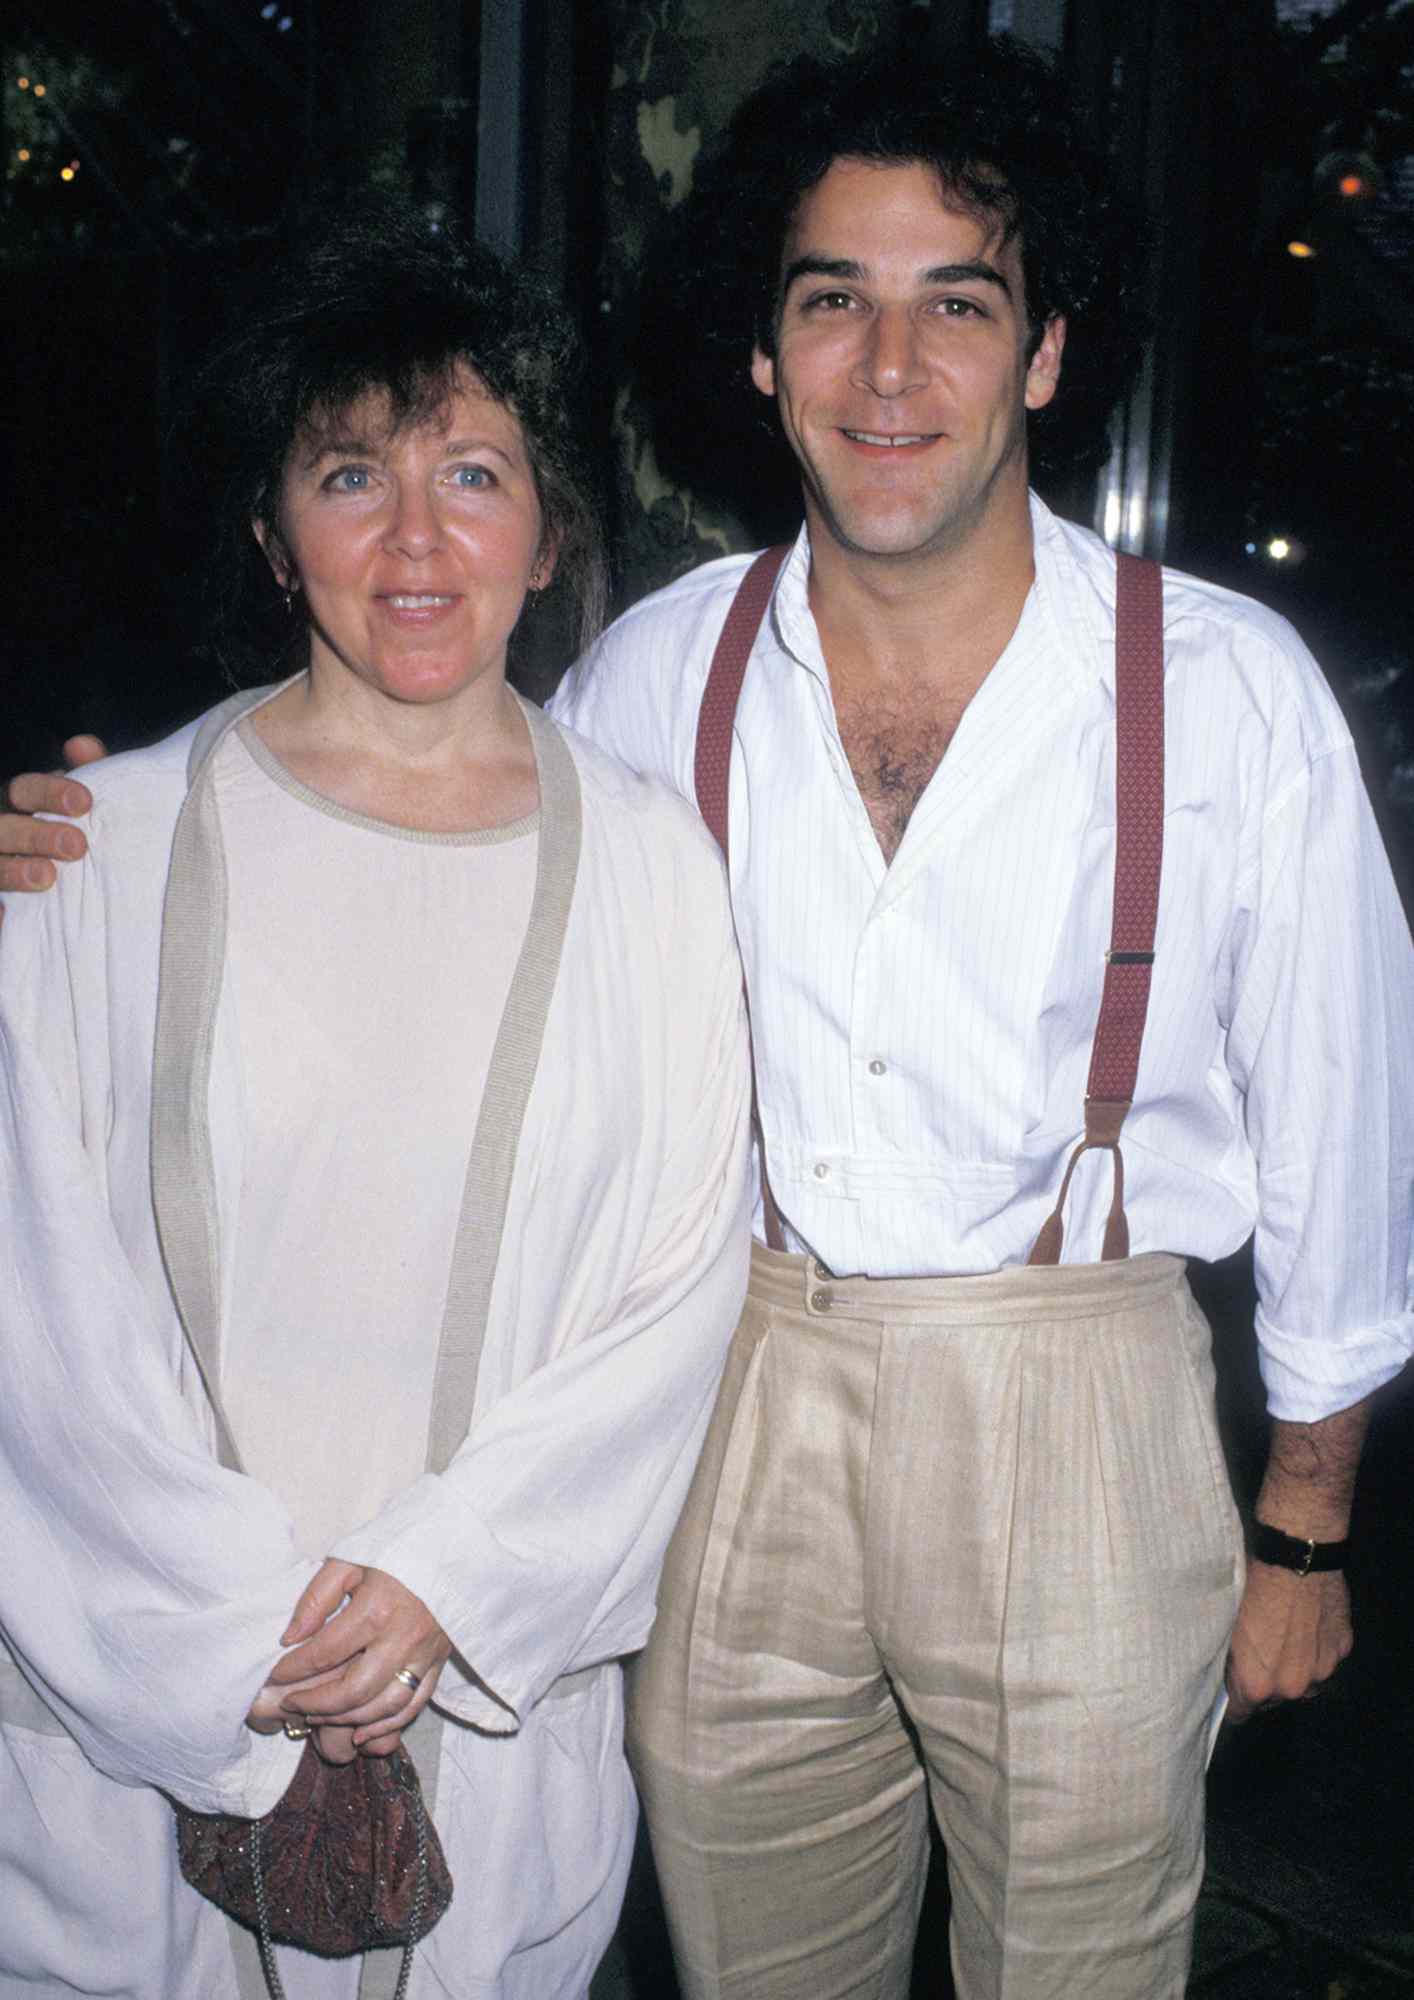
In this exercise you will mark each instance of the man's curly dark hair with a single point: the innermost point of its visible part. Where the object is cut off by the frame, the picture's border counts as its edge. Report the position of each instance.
(374, 297)
(1001, 132)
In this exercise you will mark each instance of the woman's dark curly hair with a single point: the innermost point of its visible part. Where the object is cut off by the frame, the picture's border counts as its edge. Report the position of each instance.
(375, 300)
(1001, 133)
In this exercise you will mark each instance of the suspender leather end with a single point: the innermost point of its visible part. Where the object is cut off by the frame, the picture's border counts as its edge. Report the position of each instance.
(1047, 1247)
(1103, 1118)
(1116, 1243)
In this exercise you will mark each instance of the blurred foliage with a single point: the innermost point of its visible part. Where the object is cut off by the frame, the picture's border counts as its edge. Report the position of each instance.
(181, 129)
(681, 67)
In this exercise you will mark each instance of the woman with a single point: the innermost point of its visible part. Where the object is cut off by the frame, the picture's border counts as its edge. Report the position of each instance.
(395, 1114)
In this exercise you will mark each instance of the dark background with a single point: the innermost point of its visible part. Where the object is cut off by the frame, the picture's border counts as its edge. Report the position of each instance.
(1275, 414)
(1277, 403)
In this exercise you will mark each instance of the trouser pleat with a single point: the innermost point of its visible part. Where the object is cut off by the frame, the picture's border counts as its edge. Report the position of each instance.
(975, 1538)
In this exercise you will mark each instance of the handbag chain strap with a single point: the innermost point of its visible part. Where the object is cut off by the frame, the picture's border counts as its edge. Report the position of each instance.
(262, 1908)
(262, 1913)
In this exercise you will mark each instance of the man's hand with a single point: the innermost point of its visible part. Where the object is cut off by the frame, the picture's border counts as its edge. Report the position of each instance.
(30, 847)
(1293, 1631)
(342, 1670)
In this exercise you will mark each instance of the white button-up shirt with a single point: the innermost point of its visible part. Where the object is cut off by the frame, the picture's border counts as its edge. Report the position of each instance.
(923, 1029)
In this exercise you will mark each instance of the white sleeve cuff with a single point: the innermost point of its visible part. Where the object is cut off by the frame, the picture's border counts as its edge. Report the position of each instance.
(462, 1694)
(1307, 1378)
(431, 1542)
(266, 1774)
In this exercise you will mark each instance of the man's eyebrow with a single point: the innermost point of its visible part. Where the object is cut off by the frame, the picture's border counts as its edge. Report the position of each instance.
(975, 269)
(819, 267)
(958, 274)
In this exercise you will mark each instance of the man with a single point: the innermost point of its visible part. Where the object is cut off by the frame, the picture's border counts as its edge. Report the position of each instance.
(961, 1528)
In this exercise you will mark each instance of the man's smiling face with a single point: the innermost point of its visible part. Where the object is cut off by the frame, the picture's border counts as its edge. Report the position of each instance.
(901, 365)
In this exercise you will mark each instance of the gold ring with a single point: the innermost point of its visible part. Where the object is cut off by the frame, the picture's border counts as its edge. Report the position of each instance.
(297, 1731)
(408, 1678)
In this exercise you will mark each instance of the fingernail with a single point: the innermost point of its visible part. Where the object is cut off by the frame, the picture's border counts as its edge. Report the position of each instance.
(34, 874)
(70, 844)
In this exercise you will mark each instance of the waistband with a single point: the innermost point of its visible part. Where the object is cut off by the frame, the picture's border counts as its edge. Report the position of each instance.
(1021, 1292)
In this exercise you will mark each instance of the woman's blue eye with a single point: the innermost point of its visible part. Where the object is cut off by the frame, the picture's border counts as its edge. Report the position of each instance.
(471, 475)
(349, 479)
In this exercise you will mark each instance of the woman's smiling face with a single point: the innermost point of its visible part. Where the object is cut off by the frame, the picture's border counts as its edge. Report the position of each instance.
(414, 546)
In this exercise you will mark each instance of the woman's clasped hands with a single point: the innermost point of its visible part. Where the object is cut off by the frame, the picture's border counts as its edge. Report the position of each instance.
(365, 1655)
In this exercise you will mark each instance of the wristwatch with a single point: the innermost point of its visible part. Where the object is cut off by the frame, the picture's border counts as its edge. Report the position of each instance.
(1270, 1545)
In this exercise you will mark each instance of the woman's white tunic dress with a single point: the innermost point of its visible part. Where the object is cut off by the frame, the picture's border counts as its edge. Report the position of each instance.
(352, 1043)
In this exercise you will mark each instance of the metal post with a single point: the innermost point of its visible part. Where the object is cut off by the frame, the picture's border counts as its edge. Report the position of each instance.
(502, 150)
(1134, 62)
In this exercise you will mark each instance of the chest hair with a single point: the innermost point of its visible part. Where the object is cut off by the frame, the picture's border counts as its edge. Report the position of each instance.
(894, 744)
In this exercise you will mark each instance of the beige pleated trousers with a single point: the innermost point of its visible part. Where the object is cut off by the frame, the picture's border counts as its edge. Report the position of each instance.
(973, 1535)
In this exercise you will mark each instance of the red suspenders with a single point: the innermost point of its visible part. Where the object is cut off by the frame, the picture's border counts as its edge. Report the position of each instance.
(712, 772)
(713, 767)
(1139, 842)
(1139, 854)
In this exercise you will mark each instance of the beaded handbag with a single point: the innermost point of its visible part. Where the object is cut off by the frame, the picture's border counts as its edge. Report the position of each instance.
(346, 1862)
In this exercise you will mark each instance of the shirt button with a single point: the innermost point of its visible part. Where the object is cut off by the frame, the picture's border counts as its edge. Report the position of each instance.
(822, 1299)
(822, 1172)
(877, 1068)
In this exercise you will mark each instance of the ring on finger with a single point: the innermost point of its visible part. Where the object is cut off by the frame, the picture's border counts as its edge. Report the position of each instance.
(409, 1679)
(297, 1731)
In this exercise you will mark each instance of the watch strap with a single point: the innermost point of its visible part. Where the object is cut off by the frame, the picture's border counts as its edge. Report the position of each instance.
(1294, 1552)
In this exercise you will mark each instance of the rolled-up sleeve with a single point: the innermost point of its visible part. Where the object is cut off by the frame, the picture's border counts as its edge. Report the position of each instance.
(1321, 1042)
